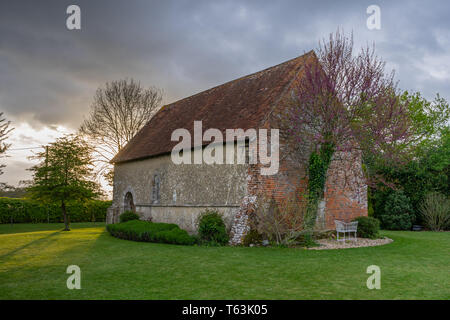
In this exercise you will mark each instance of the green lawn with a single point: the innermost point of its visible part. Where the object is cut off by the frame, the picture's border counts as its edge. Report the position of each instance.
(34, 258)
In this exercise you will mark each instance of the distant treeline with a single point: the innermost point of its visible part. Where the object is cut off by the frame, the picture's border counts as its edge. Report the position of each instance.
(13, 192)
(30, 211)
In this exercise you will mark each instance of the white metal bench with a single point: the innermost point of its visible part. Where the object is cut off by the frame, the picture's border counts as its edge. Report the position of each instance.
(343, 227)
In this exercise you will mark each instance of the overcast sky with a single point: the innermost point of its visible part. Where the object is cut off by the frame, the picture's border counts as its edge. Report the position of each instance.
(48, 74)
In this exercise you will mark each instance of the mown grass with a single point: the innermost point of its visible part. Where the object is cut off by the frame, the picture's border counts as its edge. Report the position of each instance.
(34, 258)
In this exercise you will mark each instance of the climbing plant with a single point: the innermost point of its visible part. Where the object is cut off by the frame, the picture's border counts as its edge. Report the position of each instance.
(318, 166)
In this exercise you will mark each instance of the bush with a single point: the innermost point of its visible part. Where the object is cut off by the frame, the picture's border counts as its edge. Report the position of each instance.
(128, 215)
(30, 211)
(400, 221)
(368, 227)
(138, 230)
(252, 237)
(397, 212)
(435, 211)
(211, 228)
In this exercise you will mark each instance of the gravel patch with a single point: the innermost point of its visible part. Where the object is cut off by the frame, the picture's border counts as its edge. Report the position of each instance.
(326, 244)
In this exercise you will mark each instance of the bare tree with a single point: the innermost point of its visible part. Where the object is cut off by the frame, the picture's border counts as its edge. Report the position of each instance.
(5, 130)
(281, 223)
(119, 111)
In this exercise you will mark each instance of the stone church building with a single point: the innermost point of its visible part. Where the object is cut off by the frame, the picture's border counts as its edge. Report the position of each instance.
(148, 181)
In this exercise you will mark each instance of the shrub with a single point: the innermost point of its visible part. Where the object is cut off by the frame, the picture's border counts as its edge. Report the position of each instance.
(252, 237)
(211, 228)
(397, 212)
(368, 227)
(138, 230)
(30, 211)
(128, 215)
(435, 211)
(401, 221)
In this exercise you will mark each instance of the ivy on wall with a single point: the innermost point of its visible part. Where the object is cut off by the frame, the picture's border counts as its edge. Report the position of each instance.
(319, 162)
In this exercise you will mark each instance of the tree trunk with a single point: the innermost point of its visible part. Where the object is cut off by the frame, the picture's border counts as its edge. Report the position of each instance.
(66, 218)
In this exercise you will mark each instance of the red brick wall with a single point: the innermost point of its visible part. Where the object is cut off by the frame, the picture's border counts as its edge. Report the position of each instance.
(345, 190)
(345, 193)
(289, 181)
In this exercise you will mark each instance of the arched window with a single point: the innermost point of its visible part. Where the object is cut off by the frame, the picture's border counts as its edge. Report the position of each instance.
(156, 188)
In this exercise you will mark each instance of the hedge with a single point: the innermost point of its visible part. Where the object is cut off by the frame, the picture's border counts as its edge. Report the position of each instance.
(138, 230)
(30, 211)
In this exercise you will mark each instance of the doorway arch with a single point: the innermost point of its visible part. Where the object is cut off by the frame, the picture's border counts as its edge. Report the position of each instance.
(128, 202)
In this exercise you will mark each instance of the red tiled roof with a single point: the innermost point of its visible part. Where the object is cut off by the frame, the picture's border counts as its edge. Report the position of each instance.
(242, 103)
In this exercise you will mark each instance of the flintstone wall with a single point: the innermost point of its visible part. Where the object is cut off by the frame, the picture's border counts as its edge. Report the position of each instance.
(186, 190)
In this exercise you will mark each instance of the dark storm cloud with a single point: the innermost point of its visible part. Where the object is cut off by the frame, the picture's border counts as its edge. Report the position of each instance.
(49, 74)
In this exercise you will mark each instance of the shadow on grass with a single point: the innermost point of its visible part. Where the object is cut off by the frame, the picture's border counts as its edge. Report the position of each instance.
(34, 227)
(29, 244)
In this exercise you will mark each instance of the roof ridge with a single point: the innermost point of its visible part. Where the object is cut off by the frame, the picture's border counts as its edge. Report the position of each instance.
(237, 79)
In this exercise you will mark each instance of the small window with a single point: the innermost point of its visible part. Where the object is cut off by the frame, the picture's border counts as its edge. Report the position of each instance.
(156, 188)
